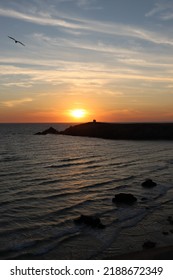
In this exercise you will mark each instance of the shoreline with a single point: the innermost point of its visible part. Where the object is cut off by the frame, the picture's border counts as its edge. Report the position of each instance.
(128, 245)
(156, 228)
(160, 253)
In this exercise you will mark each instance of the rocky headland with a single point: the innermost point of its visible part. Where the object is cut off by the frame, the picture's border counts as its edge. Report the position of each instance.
(118, 131)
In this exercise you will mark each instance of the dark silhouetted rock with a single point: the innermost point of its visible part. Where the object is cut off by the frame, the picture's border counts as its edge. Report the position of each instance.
(149, 244)
(120, 131)
(123, 131)
(165, 232)
(90, 221)
(149, 183)
(126, 198)
(50, 130)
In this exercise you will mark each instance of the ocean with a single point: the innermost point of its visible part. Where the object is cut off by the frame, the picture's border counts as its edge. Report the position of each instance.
(46, 182)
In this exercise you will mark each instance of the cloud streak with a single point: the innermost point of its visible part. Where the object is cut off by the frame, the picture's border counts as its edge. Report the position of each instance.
(162, 10)
(13, 103)
(39, 18)
(73, 23)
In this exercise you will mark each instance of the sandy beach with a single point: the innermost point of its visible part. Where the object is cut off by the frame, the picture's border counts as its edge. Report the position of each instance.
(160, 253)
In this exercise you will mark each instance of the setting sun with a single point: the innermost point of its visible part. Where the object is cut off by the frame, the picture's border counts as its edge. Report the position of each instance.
(78, 113)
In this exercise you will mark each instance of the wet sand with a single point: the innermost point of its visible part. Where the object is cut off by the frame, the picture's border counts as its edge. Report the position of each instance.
(162, 253)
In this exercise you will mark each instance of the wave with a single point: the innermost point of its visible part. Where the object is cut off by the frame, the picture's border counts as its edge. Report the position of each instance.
(85, 163)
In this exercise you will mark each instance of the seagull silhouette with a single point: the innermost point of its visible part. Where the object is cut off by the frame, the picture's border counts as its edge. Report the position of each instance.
(16, 41)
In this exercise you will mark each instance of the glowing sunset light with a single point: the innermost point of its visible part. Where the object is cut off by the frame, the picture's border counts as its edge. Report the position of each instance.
(78, 113)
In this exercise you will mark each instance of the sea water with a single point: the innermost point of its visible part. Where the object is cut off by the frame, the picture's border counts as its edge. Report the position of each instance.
(46, 182)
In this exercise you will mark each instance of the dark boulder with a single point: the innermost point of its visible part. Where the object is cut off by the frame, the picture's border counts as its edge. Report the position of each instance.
(165, 232)
(90, 221)
(149, 244)
(148, 183)
(170, 220)
(50, 130)
(126, 198)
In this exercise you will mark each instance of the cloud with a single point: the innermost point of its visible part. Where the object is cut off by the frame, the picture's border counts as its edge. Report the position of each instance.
(78, 24)
(24, 84)
(81, 75)
(158, 7)
(38, 18)
(83, 4)
(167, 16)
(13, 103)
(108, 57)
(162, 10)
(88, 4)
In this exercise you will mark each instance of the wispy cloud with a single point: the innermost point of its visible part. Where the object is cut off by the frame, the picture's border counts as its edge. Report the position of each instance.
(108, 57)
(13, 103)
(158, 7)
(39, 18)
(83, 4)
(82, 76)
(24, 84)
(88, 4)
(77, 24)
(162, 10)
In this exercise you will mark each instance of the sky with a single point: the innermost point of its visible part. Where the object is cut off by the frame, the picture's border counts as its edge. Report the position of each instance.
(112, 60)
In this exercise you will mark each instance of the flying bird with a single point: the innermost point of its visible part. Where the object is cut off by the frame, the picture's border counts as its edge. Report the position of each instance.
(16, 41)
